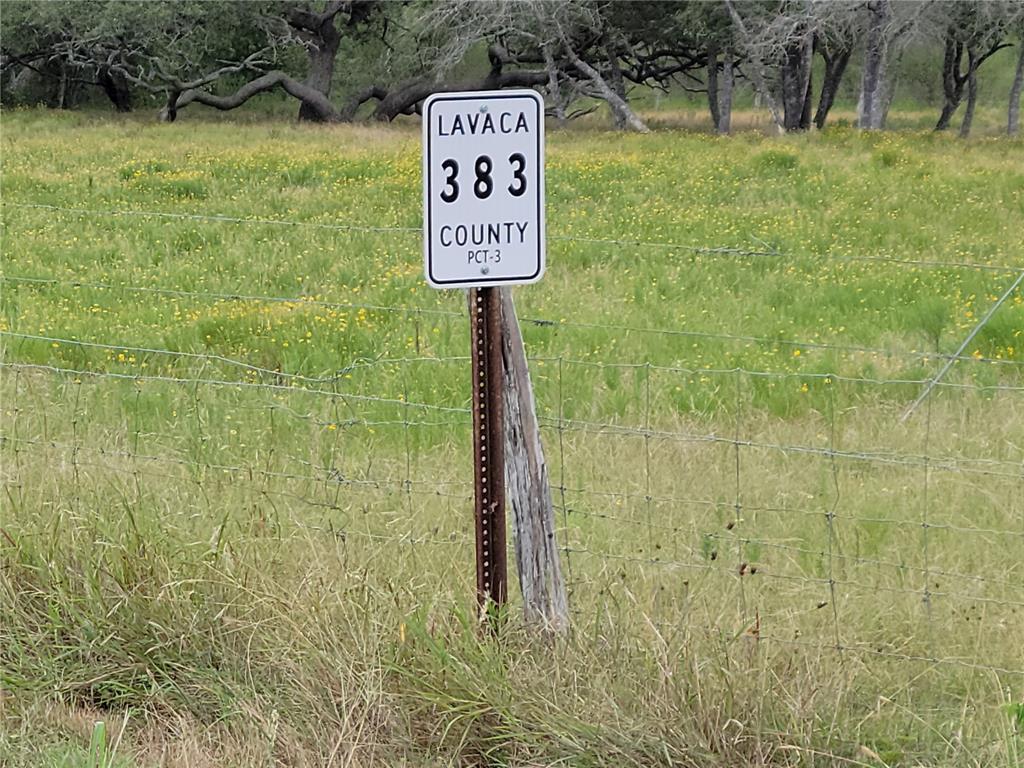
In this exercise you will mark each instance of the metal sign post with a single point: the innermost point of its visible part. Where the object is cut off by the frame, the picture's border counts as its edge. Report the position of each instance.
(488, 446)
(483, 227)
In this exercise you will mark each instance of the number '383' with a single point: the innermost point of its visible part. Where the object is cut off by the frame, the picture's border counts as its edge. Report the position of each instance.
(483, 184)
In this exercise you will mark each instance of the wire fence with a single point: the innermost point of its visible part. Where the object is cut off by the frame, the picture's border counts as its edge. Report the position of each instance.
(682, 495)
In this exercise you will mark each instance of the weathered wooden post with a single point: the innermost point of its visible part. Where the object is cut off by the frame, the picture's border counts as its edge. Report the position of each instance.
(527, 488)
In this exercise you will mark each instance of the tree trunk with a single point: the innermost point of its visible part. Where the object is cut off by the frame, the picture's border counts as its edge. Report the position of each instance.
(888, 94)
(757, 72)
(322, 39)
(62, 87)
(622, 114)
(805, 114)
(322, 56)
(615, 79)
(796, 76)
(527, 488)
(557, 100)
(952, 84)
(946, 116)
(1013, 112)
(115, 85)
(725, 94)
(713, 103)
(874, 55)
(886, 90)
(888, 85)
(972, 93)
(621, 111)
(835, 66)
(23, 83)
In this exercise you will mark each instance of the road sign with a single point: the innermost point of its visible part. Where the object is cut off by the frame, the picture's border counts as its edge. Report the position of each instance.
(483, 188)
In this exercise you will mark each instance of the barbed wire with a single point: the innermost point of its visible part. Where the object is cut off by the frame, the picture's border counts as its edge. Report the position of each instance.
(365, 363)
(745, 252)
(249, 471)
(357, 364)
(863, 649)
(757, 635)
(229, 383)
(935, 463)
(942, 464)
(825, 376)
(299, 301)
(757, 508)
(404, 537)
(621, 242)
(856, 559)
(770, 574)
(211, 217)
(761, 572)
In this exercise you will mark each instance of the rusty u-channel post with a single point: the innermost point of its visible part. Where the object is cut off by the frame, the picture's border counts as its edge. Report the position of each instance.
(488, 447)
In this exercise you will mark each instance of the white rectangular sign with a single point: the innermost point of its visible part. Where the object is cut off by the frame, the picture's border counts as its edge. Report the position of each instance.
(483, 188)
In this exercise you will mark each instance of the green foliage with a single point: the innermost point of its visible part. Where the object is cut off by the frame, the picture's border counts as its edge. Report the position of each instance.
(1015, 710)
(777, 160)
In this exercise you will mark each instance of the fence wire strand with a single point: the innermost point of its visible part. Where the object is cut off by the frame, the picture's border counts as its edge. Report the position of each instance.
(561, 323)
(636, 243)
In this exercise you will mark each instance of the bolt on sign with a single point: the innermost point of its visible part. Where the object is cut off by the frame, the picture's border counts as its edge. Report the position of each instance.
(483, 188)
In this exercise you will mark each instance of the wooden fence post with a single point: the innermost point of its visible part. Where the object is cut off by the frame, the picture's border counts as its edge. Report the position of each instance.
(527, 490)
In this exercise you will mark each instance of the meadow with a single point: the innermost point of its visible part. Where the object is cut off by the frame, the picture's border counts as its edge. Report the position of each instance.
(236, 519)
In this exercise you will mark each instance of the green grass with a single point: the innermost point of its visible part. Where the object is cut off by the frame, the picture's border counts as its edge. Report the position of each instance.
(249, 568)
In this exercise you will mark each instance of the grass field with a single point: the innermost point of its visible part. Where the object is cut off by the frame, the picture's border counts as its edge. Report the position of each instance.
(236, 521)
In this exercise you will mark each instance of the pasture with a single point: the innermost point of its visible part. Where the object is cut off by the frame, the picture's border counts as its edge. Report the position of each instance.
(236, 518)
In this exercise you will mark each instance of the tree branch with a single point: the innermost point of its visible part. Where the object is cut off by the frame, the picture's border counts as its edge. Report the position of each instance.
(404, 98)
(311, 21)
(348, 113)
(252, 62)
(758, 67)
(275, 79)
